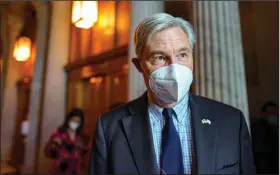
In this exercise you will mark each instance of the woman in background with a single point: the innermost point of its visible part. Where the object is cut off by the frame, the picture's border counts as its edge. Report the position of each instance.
(68, 146)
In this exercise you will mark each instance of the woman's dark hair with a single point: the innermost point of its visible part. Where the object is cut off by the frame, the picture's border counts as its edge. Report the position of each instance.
(74, 112)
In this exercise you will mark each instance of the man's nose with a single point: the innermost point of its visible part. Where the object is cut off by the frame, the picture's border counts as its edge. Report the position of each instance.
(173, 60)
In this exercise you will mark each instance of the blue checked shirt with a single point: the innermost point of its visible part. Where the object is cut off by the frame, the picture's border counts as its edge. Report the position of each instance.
(182, 123)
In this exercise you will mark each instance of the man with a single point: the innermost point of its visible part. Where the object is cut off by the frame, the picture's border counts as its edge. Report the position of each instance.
(265, 139)
(169, 130)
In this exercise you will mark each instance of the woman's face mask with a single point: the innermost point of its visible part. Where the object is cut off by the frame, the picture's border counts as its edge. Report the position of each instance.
(74, 125)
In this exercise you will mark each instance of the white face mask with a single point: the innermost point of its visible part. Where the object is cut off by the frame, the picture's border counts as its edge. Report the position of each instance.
(73, 125)
(171, 83)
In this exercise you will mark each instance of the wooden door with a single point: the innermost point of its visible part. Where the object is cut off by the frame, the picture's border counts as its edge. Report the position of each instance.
(118, 87)
(96, 102)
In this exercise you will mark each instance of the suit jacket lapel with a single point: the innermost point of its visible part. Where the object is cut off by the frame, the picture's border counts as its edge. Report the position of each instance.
(139, 135)
(204, 137)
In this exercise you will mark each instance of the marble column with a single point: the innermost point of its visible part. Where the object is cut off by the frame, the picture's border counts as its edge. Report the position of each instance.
(54, 94)
(37, 88)
(139, 11)
(219, 62)
(54, 102)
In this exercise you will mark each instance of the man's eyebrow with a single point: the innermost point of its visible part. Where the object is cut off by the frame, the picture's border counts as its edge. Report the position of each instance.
(184, 49)
(154, 52)
(160, 52)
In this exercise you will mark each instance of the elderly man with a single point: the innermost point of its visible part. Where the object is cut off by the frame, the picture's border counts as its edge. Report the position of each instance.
(169, 130)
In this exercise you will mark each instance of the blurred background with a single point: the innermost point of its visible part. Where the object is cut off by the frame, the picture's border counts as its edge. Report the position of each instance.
(61, 54)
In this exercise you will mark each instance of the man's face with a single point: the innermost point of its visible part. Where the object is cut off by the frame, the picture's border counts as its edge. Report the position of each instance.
(166, 47)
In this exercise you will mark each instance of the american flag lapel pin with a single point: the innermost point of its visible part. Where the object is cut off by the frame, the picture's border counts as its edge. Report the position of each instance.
(206, 121)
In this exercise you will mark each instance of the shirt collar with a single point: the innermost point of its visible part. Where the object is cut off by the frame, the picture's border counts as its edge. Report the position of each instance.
(178, 108)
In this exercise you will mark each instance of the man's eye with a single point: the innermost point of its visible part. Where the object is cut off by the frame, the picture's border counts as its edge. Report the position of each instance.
(159, 58)
(183, 55)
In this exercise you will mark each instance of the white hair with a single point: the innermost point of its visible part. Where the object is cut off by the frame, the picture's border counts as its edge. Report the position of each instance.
(157, 23)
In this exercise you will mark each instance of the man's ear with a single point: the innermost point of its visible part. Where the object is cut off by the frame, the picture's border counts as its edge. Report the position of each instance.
(136, 63)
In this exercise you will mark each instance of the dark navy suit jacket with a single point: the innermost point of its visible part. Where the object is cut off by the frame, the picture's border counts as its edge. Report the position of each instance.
(123, 142)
